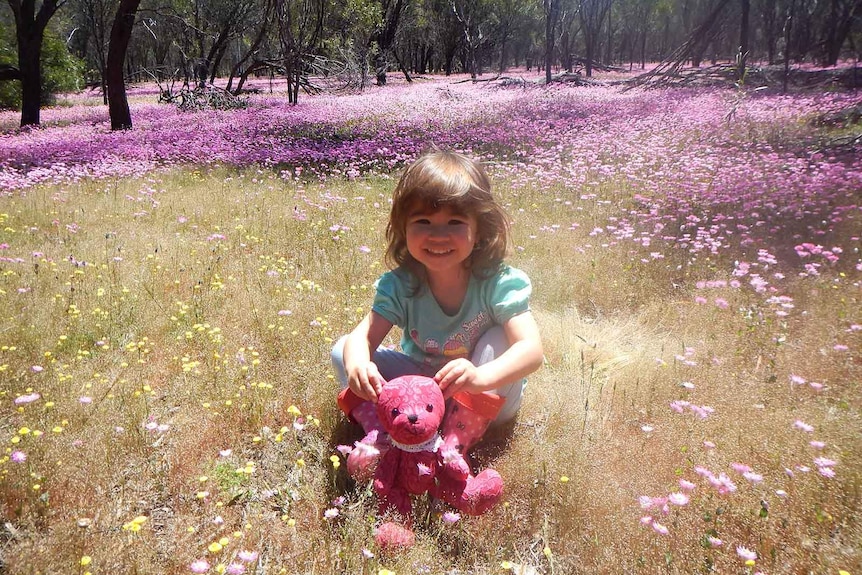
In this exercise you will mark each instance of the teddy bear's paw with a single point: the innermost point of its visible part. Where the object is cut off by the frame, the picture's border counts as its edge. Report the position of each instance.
(454, 463)
(391, 535)
(362, 460)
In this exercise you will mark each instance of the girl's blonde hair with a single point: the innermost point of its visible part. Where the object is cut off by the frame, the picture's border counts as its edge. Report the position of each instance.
(444, 178)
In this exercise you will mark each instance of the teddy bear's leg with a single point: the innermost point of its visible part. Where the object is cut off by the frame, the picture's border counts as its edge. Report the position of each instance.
(396, 501)
(480, 493)
(466, 419)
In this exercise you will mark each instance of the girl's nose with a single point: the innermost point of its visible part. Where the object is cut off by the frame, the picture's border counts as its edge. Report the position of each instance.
(438, 231)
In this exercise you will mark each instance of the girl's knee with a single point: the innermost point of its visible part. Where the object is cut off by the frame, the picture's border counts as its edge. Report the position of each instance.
(491, 345)
(514, 396)
(337, 358)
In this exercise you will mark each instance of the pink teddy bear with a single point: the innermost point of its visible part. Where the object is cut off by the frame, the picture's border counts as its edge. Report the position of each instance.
(409, 457)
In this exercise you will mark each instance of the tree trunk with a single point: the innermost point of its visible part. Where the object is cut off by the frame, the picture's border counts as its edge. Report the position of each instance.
(29, 31)
(252, 50)
(29, 56)
(742, 57)
(121, 33)
(550, 25)
(840, 22)
(788, 27)
(504, 35)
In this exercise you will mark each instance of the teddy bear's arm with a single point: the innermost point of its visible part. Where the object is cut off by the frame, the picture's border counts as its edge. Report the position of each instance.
(384, 476)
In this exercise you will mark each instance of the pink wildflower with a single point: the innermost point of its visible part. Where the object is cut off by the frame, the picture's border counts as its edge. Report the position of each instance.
(678, 498)
(799, 424)
(199, 566)
(753, 477)
(746, 554)
(25, 399)
(451, 517)
(826, 472)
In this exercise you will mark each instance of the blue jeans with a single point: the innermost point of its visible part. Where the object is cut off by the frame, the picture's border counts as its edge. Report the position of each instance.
(392, 363)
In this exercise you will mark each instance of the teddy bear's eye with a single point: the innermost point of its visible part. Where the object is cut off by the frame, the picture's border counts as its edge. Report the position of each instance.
(430, 408)
(395, 413)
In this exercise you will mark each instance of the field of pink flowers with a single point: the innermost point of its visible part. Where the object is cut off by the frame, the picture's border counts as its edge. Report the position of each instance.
(717, 167)
(157, 285)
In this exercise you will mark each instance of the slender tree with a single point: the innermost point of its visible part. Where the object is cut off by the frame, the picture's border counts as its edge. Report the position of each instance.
(121, 33)
(252, 58)
(93, 17)
(300, 26)
(843, 14)
(552, 13)
(742, 56)
(593, 14)
(472, 15)
(384, 37)
(30, 27)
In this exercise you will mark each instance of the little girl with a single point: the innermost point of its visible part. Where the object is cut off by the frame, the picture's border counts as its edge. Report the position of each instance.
(464, 313)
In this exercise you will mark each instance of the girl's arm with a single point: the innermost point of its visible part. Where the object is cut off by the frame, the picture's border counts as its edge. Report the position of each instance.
(362, 374)
(523, 357)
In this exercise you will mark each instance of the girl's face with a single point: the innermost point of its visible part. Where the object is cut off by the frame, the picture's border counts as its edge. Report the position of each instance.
(440, 239)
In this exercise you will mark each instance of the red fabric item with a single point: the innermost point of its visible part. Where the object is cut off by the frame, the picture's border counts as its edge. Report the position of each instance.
(488, 405)
(347, 401)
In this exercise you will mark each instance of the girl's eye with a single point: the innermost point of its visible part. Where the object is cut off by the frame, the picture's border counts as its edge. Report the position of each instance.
(457, 222)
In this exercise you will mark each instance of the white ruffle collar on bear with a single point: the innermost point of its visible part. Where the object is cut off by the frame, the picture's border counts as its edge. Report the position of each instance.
(431, 445)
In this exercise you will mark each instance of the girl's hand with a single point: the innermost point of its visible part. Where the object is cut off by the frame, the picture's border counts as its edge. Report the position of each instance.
(365, 381)
(459, 375)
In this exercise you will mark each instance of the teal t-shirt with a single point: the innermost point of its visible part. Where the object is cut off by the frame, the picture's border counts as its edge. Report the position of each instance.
(430, 336)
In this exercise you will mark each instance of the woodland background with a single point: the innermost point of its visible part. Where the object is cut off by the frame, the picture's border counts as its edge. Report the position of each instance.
(58, 45)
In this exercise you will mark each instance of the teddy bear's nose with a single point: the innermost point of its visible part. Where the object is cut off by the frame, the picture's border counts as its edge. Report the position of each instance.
(413, 418)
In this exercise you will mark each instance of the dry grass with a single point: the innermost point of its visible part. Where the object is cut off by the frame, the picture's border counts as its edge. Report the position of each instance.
(208, 303)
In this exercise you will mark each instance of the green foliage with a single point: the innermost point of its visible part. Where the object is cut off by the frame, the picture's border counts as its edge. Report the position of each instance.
(61, 71)
(10, 91)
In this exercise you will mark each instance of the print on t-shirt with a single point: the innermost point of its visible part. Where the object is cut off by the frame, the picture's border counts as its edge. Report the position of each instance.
(458, 344)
